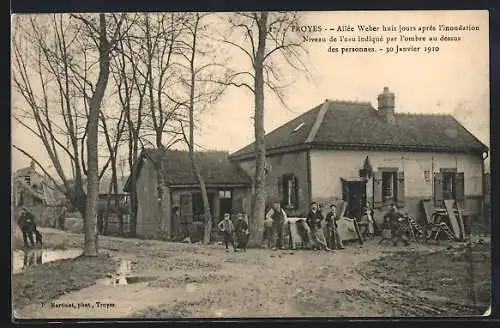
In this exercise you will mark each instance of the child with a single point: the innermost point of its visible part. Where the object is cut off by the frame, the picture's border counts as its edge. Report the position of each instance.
(226, 227)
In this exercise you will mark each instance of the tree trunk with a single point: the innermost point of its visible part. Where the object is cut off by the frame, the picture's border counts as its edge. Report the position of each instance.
(134, 203)
(206, 204)
(256, 225)
(90, 229)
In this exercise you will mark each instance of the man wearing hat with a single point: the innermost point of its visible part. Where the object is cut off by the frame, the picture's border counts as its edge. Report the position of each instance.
(333, 238)
(278, 217)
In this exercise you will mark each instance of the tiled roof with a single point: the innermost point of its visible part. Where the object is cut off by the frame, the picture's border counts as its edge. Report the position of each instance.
(215, 167)
(353, 124)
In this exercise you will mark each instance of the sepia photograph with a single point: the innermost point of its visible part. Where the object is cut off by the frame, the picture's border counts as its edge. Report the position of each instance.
(269, 164)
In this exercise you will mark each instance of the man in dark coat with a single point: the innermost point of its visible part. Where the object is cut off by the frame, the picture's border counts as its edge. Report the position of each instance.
(333, 238)
(27, 224)
(278, 217)
(314, 220)
(394, 218)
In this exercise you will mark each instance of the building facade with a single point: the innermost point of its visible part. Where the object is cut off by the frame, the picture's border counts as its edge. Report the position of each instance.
(169, 198)
(354, 152)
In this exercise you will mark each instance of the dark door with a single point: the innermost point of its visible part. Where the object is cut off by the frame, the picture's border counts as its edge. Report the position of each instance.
(186, 214)
(354, 193)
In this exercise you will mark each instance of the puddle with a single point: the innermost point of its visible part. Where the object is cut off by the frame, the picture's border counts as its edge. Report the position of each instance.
(123, 275)
(22, 260)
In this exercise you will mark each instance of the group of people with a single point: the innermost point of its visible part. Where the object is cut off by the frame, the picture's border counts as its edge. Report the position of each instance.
(317, 231)
(311, 230)
(235, 234)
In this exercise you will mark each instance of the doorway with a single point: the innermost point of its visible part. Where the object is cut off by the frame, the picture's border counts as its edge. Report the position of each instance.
(354, 193)
(225, 201)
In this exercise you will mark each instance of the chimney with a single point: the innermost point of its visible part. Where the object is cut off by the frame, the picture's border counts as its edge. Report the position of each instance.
(386, 106)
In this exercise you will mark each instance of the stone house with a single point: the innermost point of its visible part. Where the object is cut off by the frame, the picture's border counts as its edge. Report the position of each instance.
(31, 189)
(170, 202)
(352, 151)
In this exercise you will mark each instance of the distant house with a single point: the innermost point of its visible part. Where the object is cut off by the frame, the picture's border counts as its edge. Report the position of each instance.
(172, 201)
(352, 151)
(33, 190)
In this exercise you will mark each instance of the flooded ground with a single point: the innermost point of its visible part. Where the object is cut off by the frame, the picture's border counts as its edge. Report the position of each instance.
(176, 280)
(24, 259)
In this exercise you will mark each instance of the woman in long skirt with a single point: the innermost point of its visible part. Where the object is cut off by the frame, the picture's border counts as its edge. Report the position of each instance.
(314, 220)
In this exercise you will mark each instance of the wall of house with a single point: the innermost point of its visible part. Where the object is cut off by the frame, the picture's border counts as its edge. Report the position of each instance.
(240, 202)
(153, 220)
(328, 167)
(291, 163)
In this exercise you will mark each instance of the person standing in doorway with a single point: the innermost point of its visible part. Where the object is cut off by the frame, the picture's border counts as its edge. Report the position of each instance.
(226, 227)
(278, 217)
(314, 220)
(334, 241)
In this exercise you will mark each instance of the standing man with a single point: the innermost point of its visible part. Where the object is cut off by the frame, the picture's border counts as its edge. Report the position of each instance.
(27, 224)
(334, 241)
(314, 219)
(278, 217)
(394, 217)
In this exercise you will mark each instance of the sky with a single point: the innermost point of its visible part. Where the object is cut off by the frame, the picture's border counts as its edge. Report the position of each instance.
(454, 80)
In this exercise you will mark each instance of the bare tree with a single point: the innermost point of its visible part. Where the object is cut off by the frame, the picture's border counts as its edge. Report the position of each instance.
(269, 43)
(104, 41)
(43, 52)
(48, 74)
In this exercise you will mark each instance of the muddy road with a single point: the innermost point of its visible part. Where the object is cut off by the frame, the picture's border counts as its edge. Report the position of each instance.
(184, 280)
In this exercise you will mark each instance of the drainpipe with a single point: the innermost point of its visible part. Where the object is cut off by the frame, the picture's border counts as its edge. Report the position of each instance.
(483, 202)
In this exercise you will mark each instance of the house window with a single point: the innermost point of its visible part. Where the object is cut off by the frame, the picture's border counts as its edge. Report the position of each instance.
(389, 186)
(224, 194)
(448, 185)
(288, 190)
(27, 179)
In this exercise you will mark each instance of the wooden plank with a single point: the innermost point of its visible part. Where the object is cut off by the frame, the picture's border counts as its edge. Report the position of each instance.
(461, 219)
(448, 203)
(428, 209)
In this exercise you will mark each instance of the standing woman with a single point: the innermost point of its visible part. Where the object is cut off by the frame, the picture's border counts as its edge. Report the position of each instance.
(314, 220)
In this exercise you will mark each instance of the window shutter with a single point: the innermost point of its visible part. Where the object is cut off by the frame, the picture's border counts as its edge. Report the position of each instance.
(281, 194)
(295, 200)
(400, 189)
(438, 189)
(377, 189)
(345, 190)
(459, 186)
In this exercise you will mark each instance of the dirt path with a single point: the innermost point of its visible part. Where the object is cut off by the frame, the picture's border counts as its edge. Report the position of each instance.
(205, 281)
